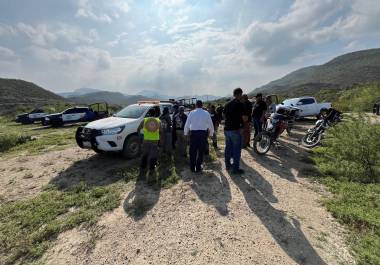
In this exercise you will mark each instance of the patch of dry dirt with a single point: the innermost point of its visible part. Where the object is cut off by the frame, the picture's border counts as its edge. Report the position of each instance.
(24, 176)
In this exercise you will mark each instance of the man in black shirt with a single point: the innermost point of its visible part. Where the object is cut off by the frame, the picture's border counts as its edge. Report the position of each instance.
(257, 114)
(234, 112)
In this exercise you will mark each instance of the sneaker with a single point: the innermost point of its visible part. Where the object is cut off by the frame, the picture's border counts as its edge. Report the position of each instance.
(238, 172)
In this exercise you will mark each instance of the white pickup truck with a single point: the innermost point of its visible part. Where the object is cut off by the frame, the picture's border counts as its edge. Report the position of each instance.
(307, 106)
(119, 132)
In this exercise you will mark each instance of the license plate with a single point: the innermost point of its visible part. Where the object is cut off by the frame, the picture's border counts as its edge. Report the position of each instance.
(87, 144)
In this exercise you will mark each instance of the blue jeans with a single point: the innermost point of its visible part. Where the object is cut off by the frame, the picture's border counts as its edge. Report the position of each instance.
(257, 125)
(233, 149)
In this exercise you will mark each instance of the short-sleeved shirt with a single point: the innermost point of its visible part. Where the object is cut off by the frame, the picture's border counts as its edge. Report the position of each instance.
(258, 109)
(166, 123)
(179, 121)
(233, 112)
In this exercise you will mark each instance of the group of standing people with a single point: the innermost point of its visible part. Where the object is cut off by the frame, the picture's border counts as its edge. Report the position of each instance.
(179, 130)
(168, 132)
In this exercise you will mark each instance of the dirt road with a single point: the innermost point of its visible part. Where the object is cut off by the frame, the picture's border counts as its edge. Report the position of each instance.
(270, 215)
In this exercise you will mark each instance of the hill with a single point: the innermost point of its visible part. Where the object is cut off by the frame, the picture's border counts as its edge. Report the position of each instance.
(344, 71)
(79, 92)
(113, 98)
(15, 91)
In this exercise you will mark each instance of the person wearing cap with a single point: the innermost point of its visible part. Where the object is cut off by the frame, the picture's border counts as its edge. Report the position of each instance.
(166, 127)
(179, 121)
(199, 125)
(151, 136)
(234, 119)
(257, 113)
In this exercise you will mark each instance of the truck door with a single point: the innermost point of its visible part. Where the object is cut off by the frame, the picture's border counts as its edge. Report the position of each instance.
(307, 106)
(67, 115)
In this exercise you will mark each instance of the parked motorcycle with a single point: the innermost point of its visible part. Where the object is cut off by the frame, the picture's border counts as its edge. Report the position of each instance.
(314, 135)
(276, 124)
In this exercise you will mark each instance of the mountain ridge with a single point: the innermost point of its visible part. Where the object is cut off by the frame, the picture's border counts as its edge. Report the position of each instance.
(343, 71)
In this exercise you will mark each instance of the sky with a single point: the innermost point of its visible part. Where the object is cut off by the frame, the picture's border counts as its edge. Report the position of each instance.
(177, 47)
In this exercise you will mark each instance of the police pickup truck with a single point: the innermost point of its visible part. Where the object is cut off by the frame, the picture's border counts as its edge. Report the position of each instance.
(77, 114)
(119, 132)
(31, 117)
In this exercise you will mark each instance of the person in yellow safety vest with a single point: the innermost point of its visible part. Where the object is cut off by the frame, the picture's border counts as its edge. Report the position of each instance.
(151, 130)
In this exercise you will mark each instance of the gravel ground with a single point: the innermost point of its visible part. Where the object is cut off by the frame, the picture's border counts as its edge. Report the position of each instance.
(270, 215)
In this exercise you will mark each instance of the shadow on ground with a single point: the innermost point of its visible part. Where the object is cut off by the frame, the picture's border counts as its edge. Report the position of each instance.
(97, 170)
(284, 229)
(213, 188)
(285, 157)
(148, 186)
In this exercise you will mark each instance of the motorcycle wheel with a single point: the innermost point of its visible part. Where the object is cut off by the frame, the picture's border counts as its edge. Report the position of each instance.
(309, 141)
(262, 143)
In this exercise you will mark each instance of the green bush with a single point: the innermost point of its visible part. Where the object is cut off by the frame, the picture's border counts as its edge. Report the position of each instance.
(7, 141)
(357, 205)
(351, 151)
(358, 98)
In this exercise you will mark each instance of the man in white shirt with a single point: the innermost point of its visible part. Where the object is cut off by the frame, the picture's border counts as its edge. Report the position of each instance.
(199, 124)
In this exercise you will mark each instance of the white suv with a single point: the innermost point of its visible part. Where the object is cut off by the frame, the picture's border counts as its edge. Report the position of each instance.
(119, 132)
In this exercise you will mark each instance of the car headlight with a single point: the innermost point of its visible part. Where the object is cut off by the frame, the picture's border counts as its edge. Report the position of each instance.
(112, 131)
(47, 119)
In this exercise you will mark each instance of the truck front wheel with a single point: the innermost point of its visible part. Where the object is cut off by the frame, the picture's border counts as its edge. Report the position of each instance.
(132, 147)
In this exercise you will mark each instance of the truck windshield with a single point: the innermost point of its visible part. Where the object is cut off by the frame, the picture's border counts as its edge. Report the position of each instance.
(290, 102)
(132, 112)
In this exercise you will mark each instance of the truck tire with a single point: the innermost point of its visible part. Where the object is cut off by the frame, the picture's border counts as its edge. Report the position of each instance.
(132, 147)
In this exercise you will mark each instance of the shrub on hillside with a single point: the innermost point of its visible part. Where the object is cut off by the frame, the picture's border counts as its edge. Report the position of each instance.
(351, 151)
(7, 141)
(360, 98)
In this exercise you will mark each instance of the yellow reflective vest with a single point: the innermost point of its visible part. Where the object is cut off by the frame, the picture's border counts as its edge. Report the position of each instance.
(152, 129)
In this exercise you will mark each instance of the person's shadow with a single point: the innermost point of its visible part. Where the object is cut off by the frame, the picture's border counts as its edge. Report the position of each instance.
(142, 199)
(212, 187)
(284, 229)
(145, 195)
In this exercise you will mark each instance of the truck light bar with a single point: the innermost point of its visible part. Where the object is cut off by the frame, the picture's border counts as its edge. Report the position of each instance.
(148, 102)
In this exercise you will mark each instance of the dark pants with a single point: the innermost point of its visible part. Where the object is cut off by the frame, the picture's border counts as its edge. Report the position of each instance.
(257, 124)
(246, 133)
(233, 149)
(198, 142)
(149, 154)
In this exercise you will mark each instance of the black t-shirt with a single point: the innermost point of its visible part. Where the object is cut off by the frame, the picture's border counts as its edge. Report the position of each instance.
(233, 112)
(259, 108)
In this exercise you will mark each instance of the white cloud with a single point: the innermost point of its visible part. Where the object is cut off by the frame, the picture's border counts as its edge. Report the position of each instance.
(43, 34)
(190, 27)
(38, 35)
(102, 11)
(119, 38)
(6, 30)
(6, 53)
(169, 3)
(308, 24)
